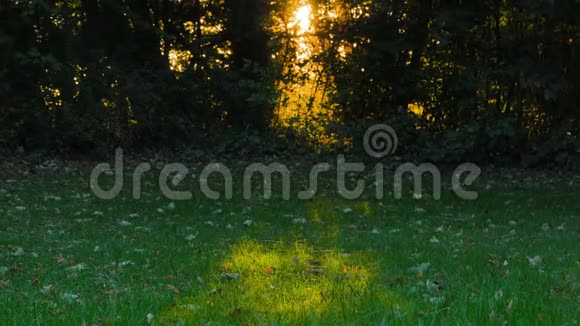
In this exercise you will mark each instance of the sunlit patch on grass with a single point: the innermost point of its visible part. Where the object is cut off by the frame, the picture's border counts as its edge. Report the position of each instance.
(282, 281)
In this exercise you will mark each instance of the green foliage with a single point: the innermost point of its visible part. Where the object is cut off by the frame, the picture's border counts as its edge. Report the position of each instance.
(493, 79)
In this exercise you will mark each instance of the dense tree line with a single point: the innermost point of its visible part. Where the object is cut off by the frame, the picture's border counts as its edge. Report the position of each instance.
(478, 79)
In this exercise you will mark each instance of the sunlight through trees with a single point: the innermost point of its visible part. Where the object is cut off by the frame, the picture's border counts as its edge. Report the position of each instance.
(310, 72)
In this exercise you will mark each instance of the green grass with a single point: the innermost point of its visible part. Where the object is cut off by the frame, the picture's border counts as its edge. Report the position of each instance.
(299, 262)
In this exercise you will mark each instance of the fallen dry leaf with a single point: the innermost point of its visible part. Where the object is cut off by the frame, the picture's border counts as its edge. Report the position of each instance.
(535, 261)
(230, 276)
(78, 267)
(49, 289)
(509, 306)
(316, 271)
(172, 289)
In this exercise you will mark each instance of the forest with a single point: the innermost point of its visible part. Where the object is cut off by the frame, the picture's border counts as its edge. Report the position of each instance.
(493, 80)
(298, 162)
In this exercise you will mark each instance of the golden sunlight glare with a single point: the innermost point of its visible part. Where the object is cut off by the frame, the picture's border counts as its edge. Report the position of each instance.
(303, 19)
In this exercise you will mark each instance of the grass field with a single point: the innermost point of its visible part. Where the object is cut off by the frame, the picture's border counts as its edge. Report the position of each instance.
(67, 258)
